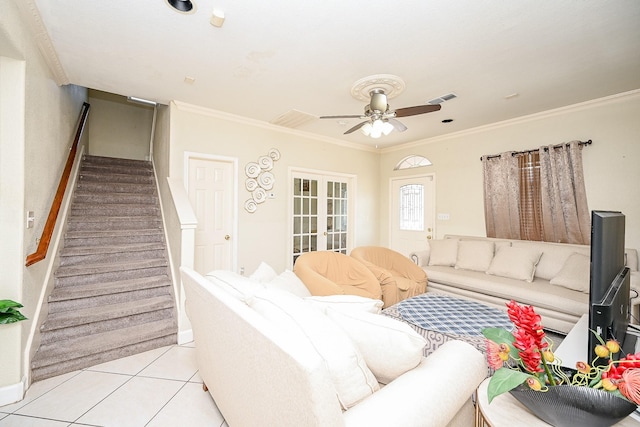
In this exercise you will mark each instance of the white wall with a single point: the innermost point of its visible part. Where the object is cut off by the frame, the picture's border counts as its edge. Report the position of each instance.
(262, 235)
(39, 152)
(611, 163)
(118, 128)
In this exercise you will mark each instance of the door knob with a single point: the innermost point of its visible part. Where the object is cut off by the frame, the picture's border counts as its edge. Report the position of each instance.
(429, 237)
(227, 237)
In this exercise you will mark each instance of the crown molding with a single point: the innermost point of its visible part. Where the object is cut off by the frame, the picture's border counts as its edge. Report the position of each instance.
(519, 120)
(31, 15)
(209, 112)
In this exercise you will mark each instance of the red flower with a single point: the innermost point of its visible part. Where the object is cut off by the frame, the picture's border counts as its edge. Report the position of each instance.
(629, 385)
(529, 335)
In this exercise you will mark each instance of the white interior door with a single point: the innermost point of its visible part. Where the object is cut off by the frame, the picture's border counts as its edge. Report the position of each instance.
(211, 189)
(412, 213)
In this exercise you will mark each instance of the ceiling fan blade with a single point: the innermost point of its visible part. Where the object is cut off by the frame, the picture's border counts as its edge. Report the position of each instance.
(359, 116)
(418, 109)
(356, 127)
(397, 125)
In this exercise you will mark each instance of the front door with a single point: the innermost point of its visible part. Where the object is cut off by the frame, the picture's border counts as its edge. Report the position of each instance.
(211, 188)
(412, 213)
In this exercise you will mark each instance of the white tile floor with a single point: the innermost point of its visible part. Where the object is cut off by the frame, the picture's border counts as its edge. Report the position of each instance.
(157, 388)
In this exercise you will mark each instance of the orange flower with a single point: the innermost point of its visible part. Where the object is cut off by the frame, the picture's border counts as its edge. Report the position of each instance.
(629, 386)
(583, 367)
(534, 383)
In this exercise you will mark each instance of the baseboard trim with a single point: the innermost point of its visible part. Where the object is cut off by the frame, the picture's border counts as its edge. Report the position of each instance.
(185, 336)
(13, 393)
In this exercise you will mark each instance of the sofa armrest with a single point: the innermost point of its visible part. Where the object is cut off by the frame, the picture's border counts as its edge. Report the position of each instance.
(421, 258)
(432, 393)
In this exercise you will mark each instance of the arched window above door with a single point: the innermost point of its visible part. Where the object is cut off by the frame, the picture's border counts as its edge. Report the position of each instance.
(412, 161)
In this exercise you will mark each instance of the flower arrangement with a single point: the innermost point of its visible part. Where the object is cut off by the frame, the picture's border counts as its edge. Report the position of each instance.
(526, 357)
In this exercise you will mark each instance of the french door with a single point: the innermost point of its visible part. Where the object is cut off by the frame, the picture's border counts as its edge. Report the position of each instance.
(321, 212)
(412, 213)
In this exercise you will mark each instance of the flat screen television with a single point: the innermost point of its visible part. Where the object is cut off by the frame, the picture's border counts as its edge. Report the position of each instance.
(609, 284)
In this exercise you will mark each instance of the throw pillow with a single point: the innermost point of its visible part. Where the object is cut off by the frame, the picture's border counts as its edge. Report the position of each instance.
(515, 263)
(288, 281)
(443, 252)
(346, 303)
(474, 255)
(574, 274)
(264, 273)
(349, 373)
(239, 286)
(389, 347)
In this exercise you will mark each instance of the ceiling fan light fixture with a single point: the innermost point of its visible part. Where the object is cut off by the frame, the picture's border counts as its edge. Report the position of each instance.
(366, 129)
(387, 128)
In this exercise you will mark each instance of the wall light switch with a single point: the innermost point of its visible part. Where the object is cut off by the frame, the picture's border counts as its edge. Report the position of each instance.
(443, 217)
(30, 219)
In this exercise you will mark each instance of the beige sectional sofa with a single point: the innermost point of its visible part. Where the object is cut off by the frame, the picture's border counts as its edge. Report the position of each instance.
(552, 277)
(272, 355)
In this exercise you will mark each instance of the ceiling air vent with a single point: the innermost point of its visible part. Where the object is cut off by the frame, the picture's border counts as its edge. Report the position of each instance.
(293, 119)
(443, 98)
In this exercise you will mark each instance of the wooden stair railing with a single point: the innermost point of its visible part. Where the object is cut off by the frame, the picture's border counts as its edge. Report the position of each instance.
(47, 232)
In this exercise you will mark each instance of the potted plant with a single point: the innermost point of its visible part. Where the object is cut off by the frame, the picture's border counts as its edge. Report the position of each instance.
(9, 312)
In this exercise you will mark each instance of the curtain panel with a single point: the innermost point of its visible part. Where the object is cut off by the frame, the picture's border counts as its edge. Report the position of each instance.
(565, 212)
(501, 196)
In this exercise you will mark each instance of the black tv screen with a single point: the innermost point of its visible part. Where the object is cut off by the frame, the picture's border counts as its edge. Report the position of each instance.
(608, 298)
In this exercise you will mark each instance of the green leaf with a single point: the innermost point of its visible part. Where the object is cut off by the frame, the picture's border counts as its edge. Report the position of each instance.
(6, 304)
(503, 380)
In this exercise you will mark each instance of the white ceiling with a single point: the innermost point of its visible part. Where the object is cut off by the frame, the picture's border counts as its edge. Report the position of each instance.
(271, 57)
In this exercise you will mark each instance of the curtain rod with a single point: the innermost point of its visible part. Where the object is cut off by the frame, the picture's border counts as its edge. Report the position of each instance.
(515, 153)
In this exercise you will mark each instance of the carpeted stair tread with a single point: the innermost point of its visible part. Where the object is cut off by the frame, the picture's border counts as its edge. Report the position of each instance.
(95, 250)
(70, 365)
(64, 293)
(73, 270)
(89, 159)
(65, 319)
(123, 184)
(101, 342)
(117, 198)
(80, 234)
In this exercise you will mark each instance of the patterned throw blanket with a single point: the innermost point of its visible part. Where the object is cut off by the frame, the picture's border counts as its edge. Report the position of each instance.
(451, 316)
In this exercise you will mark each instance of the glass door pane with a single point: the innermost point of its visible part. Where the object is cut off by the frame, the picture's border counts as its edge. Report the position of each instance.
(337, 214)
(305, 216)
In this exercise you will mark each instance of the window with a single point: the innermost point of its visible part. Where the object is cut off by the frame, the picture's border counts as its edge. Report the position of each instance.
(412, 207)
(530, 203)
(412, 161)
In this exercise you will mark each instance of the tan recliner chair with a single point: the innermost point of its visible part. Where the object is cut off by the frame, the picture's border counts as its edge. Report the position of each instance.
(399, 277)
(333, 273)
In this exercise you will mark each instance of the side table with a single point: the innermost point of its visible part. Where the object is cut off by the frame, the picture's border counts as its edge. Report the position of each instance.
(506, 411)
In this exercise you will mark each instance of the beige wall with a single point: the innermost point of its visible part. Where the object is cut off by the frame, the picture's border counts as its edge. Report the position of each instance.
(262, 235)
(118, 128)
(611, 163)
(39, 151)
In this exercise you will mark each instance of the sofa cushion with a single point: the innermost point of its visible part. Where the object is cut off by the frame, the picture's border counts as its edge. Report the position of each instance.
(515, 263)
(553, 255)
(349, 373)
(233, 283)
(575, 273)
(474, 255)
(346, 303)
(288, 281)
(443, 252)
(389, 347)
(264, 273)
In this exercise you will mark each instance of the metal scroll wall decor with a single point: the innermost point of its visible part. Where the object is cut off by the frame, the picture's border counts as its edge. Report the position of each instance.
(260, 179)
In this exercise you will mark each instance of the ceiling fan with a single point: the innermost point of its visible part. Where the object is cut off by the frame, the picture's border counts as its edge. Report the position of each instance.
(380, 120)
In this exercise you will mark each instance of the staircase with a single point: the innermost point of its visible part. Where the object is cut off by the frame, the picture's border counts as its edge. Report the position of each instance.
(113, 292)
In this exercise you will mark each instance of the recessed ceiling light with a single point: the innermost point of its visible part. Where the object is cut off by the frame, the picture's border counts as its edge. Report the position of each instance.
(447, 120)
(181, 5)
(190, 80)
(513, 95)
